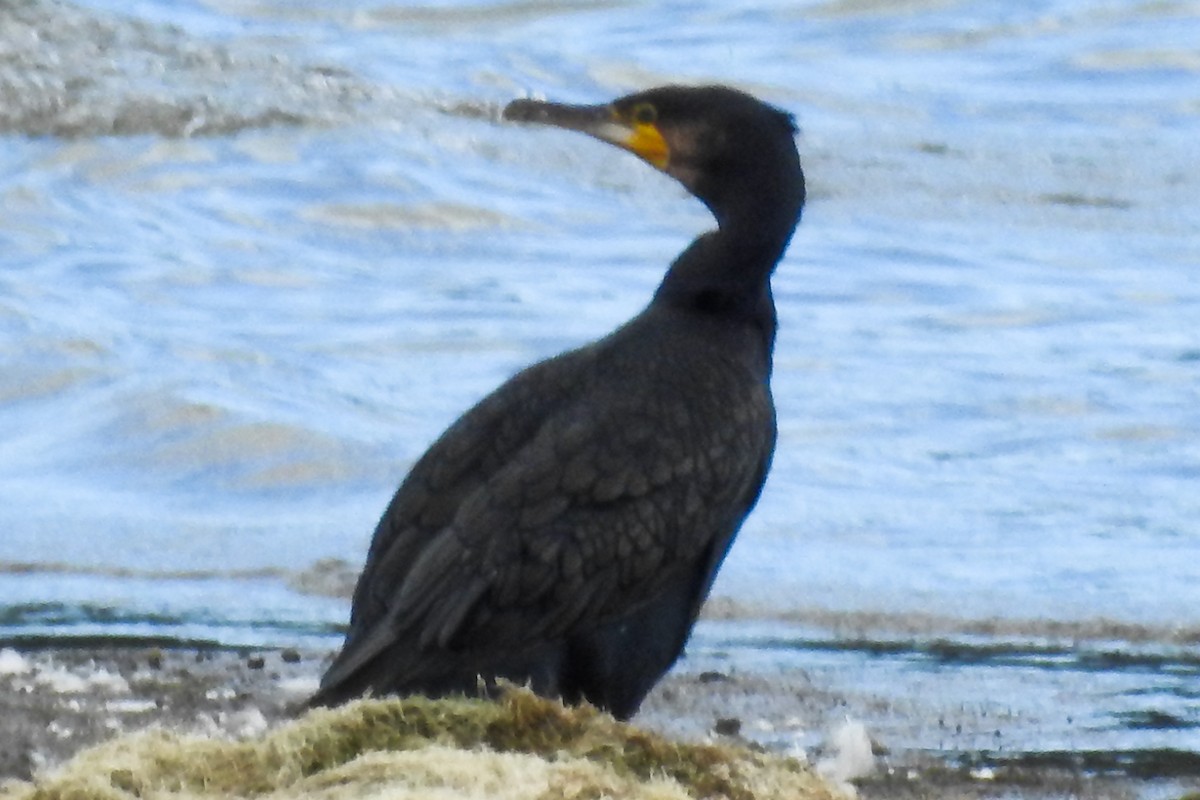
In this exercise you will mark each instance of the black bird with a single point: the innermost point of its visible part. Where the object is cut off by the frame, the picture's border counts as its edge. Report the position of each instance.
(565, 531)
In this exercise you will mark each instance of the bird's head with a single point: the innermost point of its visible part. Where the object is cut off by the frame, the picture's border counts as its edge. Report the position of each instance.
(734, 152)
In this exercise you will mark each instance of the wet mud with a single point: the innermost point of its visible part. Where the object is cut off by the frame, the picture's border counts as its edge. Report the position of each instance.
(59, 698)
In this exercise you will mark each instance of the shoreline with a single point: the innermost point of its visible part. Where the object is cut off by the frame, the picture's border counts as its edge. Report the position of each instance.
(58, 698)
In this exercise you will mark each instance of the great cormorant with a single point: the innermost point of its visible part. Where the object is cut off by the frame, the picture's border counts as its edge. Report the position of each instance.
(565, 531)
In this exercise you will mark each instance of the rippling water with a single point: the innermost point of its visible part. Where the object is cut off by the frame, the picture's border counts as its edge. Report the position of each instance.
(257, 254)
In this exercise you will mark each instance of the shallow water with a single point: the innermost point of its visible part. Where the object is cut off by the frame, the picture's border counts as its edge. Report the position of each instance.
(256, 255)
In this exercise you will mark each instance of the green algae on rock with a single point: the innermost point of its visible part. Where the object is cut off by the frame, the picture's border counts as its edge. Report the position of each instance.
(415, 748)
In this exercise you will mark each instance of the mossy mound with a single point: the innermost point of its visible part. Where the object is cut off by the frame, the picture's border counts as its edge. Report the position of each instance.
(409, 749)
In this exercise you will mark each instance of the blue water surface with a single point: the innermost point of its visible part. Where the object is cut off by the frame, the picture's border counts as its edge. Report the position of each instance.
(220, 352)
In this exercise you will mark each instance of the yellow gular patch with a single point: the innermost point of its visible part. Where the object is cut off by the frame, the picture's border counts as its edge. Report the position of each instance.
(647, 142)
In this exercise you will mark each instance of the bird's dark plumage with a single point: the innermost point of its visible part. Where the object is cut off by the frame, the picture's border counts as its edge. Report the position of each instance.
(565, 531)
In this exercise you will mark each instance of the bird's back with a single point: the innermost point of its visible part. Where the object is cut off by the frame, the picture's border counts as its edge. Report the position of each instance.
(581, 508)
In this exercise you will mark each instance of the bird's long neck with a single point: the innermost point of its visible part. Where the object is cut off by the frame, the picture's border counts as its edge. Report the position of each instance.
(727, 272)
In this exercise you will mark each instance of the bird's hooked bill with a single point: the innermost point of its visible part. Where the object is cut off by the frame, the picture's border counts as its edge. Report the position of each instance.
(607, 123)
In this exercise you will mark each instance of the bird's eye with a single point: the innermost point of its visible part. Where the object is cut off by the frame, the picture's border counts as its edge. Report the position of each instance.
(645, 114)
